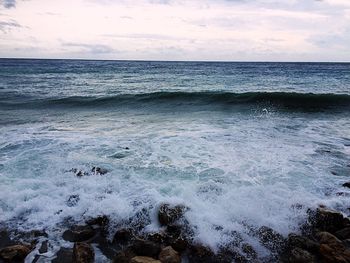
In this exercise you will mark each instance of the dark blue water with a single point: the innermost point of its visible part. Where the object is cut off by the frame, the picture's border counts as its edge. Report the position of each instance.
(245, 140)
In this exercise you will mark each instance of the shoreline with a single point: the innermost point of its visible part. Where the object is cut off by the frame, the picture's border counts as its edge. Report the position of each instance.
(324, 237)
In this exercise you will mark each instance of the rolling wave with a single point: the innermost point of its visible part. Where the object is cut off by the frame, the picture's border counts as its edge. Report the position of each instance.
(285, 100)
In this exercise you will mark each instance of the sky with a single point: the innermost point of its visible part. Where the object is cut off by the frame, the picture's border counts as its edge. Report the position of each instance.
(197, 30)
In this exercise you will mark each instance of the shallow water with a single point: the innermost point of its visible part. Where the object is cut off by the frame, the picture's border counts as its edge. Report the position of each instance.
(237, 161)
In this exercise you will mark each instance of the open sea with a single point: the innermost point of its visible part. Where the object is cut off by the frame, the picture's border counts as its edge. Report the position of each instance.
(240, 144)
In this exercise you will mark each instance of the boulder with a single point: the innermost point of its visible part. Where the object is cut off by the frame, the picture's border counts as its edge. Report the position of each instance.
(15, 253)
(101, 220)
(83, 253)
(139, 259)
(199, 253)
(343, 233)
(169, 255)
(249, 251)
(63, 255)
(146, 248)
(123, 236)
(327, 220)
(180, 244)
(298, 255)
(347, 184)
(99, 170)
(168, 214)
(330, 240)
(271, 239)
(79, 234)
(304, 243)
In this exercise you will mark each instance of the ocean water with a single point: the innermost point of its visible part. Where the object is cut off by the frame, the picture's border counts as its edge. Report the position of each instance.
(240, 144)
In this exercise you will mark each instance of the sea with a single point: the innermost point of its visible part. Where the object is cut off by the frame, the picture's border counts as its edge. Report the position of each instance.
(241, 144)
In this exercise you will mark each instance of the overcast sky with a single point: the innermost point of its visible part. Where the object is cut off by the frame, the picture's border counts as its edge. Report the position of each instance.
(230, 30)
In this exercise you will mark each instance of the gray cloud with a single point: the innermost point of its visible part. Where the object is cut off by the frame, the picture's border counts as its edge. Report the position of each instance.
(8, 3)
(90, 48)
(7, 26)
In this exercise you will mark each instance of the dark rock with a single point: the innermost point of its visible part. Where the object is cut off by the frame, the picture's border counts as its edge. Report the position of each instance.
(158, 237)
(347, 184)
(99, 170)
(168, 214)
(147, 248)
(64, 255)
(15, 253)
(327, 220)
(83, 253)
(180, 244)
(332, 249)
(124, 256)
(228, 255)
(123, 236)
(44, 247)
(271, 239)
(169, 255)
(343, 233)
(79, 234)
(298, 255)
(331, 240)
(5, 239)
(200, 254)
(249, 251)
(73, 200)
(139, 259)
(102, 220)
(296, 241)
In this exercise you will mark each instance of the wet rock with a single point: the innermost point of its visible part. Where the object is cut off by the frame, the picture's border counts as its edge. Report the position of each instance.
(79, 234)
(331, 240)
(102, 221)
(298, 255)
(168, 214)
(249, 252)
(124, 256)
(78, 173)
(83, 253)
(296, 241)
(347, 184)
(327, 220)
(99, 170)
(169, 255)
(73, 200)
(228, 255)
(5, 239)
(147, 248)
(343, 233)
(15, 253)
(139, 259)
(180, 244)
(63, 255)
(271, 239)
(158, 237)
(331, 255)
(123, 236)
(200, 253)
(332, 249)
(44, 247)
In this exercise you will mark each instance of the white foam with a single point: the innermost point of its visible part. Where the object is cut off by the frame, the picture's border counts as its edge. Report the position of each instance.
(232, 171)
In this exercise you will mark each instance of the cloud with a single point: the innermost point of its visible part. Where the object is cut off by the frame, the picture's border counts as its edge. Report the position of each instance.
(8, 3)
(89, 48)
(7, 26)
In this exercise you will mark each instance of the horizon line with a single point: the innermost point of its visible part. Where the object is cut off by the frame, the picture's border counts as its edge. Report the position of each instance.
(190, 61)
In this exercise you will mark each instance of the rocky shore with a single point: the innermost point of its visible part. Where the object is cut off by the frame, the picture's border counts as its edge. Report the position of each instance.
(325, 237)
